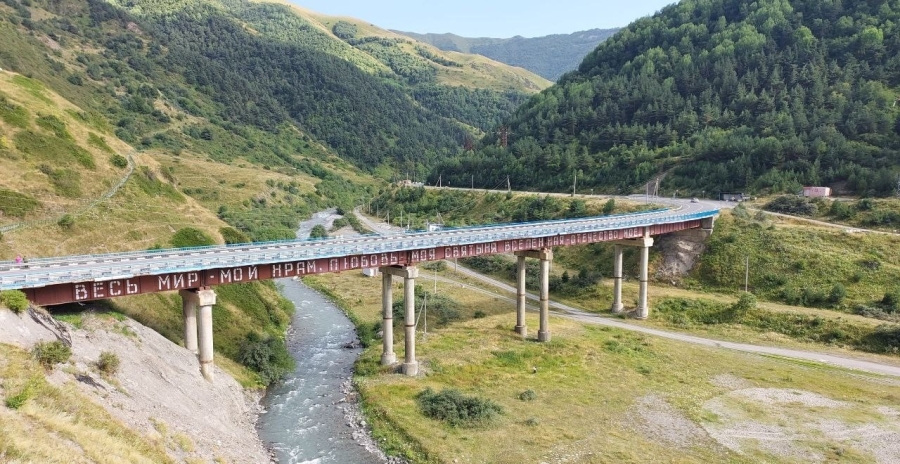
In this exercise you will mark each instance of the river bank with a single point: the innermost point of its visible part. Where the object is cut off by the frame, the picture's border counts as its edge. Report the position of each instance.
(314, 415)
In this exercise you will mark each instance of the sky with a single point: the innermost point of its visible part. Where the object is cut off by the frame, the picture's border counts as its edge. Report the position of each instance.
(490, 18)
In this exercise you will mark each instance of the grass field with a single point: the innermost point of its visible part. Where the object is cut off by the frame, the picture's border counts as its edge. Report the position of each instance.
(606, 395)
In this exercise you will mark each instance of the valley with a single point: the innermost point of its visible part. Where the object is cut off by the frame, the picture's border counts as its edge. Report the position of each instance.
(147, 126)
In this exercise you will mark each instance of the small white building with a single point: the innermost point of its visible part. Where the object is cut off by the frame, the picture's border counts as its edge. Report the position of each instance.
(820, 192)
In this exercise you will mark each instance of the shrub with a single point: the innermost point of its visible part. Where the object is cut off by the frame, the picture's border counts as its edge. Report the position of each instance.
(891, 301)
(191, 237)
(18, 400)
(609, 207)
(14, 300)
(118, 161)
(318, 231)
(108, 363)
(837, 295)
(232, 235)
(66, 222)
(50, 353)
(528, 395)
(267, 356)
(340, 223)
(792, 204)
(456, 409)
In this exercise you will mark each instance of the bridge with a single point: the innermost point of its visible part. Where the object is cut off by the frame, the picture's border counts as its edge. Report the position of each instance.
(194, 271)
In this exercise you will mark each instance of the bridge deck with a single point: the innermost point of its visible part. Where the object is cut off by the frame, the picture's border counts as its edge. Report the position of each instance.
(46, 272)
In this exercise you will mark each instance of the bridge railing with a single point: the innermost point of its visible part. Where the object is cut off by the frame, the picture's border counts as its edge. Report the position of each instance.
(47, 271)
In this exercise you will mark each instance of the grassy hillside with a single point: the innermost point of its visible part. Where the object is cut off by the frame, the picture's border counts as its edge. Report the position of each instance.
(548, 56)
(51, 422)
(398, 53)
(261, 82)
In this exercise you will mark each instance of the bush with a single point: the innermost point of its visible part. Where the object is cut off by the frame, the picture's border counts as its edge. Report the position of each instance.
(66, 222)
(456, 409)
(191, 237)
(528, 395)
(267, 356)
(232, 235)
(837, 295)
(108, 363)
(318, 231)
(50, 353)
(792, 204)
(118, 161)
(18, 400)
(891, 302)
(14, 300)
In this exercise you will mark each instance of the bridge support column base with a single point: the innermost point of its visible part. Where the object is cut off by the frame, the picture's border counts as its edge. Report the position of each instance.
(543, 336)
(388, 358)
(411, 369)
(522, 330)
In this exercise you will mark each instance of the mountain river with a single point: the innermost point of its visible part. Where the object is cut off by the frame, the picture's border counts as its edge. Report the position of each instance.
(312, 417)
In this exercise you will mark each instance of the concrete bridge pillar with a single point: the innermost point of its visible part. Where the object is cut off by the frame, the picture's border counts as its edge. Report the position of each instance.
(642, 311)
(521, 328)
(544, 330)
(387, 320)
(189, 310)
(205, 298)
(546, 256)
(409, 274)
(617, 305)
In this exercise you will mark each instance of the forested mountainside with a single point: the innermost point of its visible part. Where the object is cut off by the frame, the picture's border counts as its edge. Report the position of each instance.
(259, 66)
(549, 56)
(718, 95)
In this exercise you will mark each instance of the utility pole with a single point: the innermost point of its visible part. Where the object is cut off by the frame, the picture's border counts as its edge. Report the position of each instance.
(473, 181)
(574, 183)
(508, 188)
(439, 180)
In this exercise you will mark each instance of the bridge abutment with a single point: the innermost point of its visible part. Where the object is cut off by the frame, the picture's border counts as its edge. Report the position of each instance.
(202, 332)
(410, 365)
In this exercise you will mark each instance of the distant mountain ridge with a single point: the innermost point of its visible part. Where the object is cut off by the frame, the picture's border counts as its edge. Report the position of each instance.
(549, 56)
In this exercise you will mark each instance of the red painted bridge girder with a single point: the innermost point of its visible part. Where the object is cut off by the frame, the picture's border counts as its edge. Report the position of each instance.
(95, 290)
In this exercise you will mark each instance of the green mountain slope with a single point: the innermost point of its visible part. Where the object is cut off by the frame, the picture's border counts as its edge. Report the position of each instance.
(719, 95)
(549, 56)
(265, 67)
